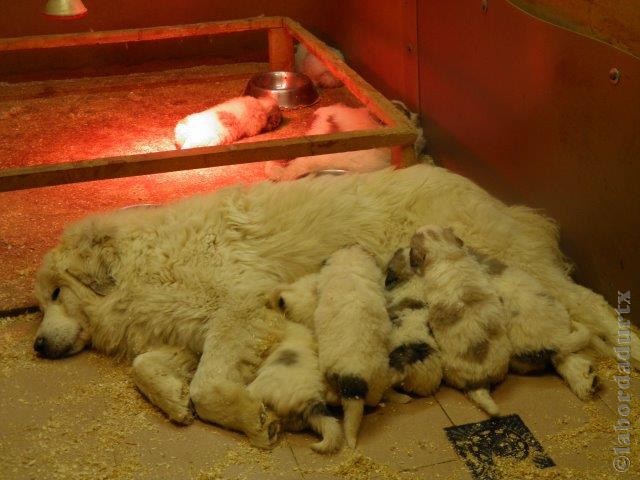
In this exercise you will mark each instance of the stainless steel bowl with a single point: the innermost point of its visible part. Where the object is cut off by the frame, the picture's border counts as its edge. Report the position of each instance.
(289, 89)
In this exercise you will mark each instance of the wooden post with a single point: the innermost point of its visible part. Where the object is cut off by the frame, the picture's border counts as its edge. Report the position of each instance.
(403, 156)
(280, 50)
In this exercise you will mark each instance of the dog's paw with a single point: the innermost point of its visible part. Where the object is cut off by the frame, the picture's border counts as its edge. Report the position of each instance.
(184, 415)
(265, 435)
(580, 375)
(586, 385)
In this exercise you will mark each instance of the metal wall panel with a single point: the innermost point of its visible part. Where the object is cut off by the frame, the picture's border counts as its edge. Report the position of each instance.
(528, 111)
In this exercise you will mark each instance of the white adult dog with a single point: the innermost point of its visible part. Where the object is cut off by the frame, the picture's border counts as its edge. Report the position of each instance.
(193, 275)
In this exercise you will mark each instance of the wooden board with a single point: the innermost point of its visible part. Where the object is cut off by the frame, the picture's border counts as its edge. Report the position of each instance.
(616, 22)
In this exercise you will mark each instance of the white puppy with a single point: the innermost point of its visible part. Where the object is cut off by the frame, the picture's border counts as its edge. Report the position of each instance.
(289, 382)
(309, 64)
(466, 315)
(353, 329)
(345, 303)
(332, 119)
(540, 329)
(227, 122)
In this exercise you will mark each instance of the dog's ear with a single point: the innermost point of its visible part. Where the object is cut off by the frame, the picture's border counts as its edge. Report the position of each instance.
(451, 237)
(417, 252)
(396, 264)
(275, 301)
(93, 259)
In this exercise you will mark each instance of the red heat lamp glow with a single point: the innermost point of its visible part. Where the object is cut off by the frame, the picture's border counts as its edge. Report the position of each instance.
(64, 9)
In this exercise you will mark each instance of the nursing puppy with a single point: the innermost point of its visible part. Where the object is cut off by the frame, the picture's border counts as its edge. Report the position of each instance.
(289, 382)
(352, 328)
(540, 329)
(414, 353)
(345, 303)
(227, 122)
(466, 315)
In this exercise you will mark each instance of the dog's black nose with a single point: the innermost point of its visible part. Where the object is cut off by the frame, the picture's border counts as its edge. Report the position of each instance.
(40, 345)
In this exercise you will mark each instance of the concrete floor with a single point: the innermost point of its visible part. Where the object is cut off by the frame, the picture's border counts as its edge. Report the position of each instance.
(82, 418)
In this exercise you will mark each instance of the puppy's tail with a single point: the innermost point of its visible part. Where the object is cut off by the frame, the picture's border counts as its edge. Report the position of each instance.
(483, 399)
(328, 427)
(353, 410)
(611, 332)
(577, 340)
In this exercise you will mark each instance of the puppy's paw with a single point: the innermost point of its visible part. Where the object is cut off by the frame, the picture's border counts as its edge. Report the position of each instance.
(586, 384)
(392, 396)
(265, 434)
(580, 375)
(182, 413)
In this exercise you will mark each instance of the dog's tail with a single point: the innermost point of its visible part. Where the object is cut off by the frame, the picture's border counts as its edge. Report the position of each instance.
(328, 427)
(353, 410)
(613, 334)
(482, 398)
(579, 338)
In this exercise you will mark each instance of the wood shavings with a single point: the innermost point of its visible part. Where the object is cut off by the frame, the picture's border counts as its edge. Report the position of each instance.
(509, 468)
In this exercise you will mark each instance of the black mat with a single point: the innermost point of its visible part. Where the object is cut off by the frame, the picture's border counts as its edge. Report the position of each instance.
(478, 444)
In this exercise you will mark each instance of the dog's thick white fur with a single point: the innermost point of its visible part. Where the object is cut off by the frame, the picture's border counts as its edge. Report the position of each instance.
(540, 330)
(331, 119)
(227, 122)
(466, 314)
(290, 383)
(309, 64)
(195, 274)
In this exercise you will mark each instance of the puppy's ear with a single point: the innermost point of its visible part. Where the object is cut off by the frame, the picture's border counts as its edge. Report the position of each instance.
(93, 259)
(417, 252)
(451, 237)
(395, 265)
(276, 301)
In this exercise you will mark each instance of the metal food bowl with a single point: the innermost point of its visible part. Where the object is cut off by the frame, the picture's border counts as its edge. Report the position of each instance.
(289, 89)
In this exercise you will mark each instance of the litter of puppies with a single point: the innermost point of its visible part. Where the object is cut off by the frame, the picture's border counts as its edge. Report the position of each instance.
(447, 316)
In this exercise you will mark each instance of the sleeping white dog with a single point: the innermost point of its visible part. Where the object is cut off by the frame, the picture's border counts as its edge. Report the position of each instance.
(193, 276)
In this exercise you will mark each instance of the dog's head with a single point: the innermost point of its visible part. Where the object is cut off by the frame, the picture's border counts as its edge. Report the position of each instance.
(297, 300)
(432, 242)
(73, 274)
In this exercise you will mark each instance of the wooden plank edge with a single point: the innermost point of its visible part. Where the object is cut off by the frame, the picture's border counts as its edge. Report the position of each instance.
(206, 157)
(369, 96)
(139, 35)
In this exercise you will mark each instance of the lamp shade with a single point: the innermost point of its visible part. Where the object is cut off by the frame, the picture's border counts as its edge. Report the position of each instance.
(65, 9)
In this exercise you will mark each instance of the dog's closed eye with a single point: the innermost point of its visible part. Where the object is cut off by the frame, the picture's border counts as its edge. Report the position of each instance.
(55, 294)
